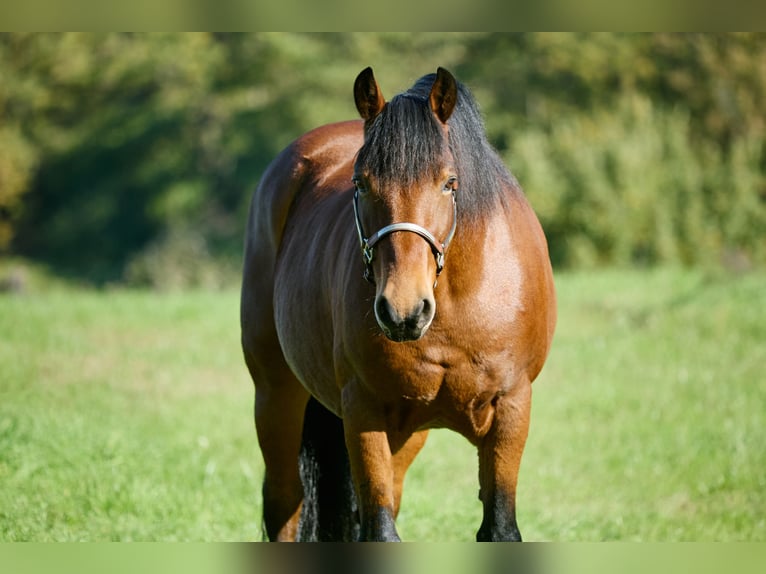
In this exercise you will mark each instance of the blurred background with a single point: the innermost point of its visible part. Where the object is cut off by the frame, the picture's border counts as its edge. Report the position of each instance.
(130, 158)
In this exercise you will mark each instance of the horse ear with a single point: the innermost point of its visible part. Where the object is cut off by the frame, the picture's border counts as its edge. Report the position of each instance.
(443, 95)
(369, 100)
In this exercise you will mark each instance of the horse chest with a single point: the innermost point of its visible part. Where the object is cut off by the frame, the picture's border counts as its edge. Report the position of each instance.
(438, 383)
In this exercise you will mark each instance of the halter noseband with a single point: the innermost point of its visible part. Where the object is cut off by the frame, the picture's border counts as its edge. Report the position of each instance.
(368, 243)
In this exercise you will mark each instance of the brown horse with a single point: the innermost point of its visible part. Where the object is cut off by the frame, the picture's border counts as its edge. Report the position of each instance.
(351, 373)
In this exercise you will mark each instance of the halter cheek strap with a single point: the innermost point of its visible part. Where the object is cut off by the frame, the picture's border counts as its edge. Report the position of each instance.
(367, 244)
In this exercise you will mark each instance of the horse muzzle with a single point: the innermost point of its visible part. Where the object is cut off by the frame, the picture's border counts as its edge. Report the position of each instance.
(409, 325)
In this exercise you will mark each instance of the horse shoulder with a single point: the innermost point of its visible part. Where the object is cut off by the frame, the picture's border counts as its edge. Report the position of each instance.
(539, 298)
(499, 294)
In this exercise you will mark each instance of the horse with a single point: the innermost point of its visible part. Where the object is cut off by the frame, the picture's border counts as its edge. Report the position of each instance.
(395, 280)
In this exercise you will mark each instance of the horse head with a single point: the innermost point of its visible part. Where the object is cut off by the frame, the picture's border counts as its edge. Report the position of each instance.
(405, 182)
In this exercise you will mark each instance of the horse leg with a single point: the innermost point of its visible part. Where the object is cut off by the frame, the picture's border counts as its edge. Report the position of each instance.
(499, 460)
(402, 459)
(371, 464)
(278, 421)
(280, 402)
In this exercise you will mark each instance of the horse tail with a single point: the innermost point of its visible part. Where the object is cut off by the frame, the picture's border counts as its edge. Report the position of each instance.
(329, 511)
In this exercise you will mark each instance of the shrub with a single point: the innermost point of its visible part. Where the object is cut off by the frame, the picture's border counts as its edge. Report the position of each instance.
(626, 186)
(180, 259)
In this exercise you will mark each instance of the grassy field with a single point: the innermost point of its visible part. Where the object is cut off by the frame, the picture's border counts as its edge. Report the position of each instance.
(127, 416)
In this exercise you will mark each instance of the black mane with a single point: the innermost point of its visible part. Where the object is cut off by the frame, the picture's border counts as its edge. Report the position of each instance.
(404, 144)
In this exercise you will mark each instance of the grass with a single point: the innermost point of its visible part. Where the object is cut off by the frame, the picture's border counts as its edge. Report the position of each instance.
(126, 415)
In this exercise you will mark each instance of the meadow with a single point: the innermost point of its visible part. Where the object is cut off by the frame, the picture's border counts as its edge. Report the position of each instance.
(127, 415)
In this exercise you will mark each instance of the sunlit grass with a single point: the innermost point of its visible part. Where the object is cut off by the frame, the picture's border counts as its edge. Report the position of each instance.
(128, 416)
(125, 416)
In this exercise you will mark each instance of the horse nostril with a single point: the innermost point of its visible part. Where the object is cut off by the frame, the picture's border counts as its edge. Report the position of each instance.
(426, 307)
(385, 313)
(420, 315)
(418, 310)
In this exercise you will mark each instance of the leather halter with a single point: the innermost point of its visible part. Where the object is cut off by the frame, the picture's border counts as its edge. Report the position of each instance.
(368, 243)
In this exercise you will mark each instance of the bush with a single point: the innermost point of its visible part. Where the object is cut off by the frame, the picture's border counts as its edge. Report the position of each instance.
(16, 163)
(627, 186)
(180, 259)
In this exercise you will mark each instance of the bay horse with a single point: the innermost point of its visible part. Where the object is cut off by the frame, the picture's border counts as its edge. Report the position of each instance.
(395, 280)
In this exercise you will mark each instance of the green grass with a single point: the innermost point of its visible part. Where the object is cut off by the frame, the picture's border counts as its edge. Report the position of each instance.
(127, 416)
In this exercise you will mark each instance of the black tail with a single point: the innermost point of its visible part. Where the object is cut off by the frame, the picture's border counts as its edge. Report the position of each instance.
(329, 504)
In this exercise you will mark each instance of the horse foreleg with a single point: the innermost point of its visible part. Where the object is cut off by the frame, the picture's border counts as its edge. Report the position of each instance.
(371, 464)
(499, 460)
(402, 459)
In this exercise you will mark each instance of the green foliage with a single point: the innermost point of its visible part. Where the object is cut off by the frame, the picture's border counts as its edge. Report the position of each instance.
(625, 186)
(128, 416)
(178, 259)
(634, 147)
(15, 166)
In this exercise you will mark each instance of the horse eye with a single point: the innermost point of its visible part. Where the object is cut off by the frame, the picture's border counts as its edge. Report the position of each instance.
(358, 184)
(450, 186)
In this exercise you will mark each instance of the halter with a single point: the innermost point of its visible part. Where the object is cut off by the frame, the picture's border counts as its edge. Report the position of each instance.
(368, 243)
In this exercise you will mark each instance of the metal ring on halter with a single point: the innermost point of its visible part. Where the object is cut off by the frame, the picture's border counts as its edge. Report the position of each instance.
(367, 244)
